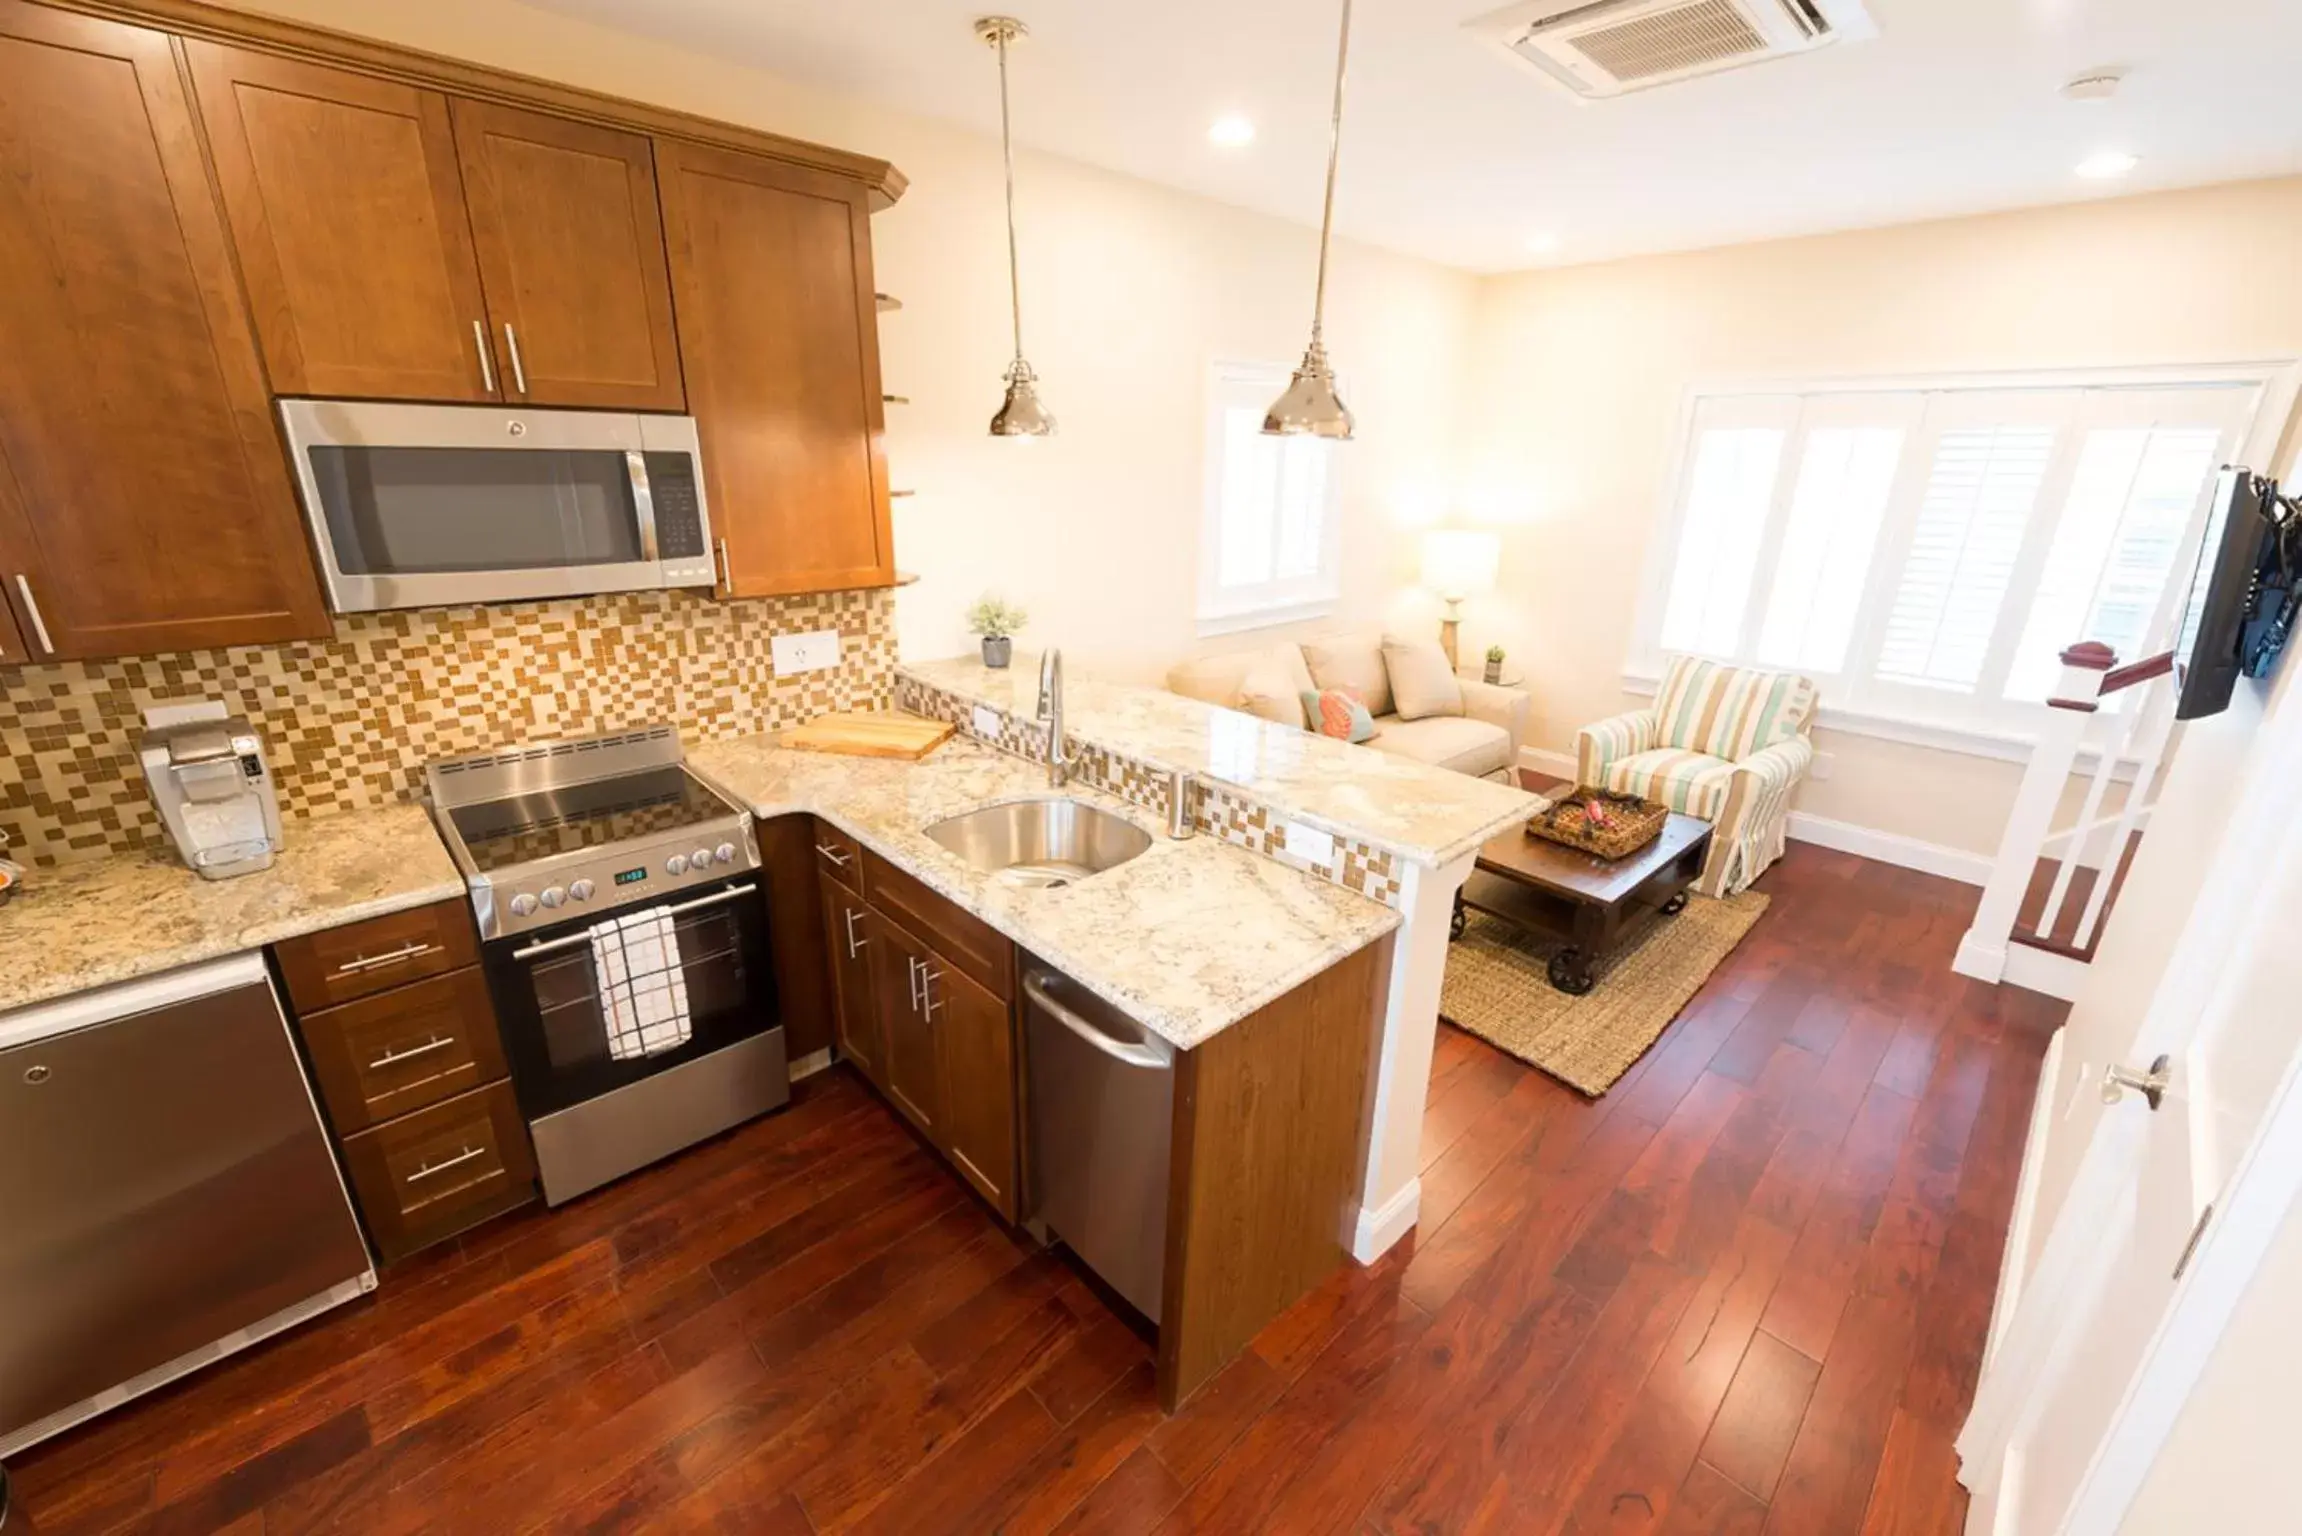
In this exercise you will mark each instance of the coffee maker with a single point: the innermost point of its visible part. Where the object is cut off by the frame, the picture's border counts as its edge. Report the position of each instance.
(213, 790)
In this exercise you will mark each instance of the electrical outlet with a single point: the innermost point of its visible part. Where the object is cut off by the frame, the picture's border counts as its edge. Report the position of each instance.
(987, 722)
(1309, 844)
(1823, 766)
(811, 652)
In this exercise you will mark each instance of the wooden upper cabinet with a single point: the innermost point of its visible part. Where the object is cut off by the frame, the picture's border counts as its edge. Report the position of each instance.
(347, 209)
(571, 259)
(779, 332)
(144, 500)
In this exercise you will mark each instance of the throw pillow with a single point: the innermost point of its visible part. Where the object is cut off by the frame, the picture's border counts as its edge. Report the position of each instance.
(1337, 713)
(1354, 664)
(1422, 684)
(1268, 690)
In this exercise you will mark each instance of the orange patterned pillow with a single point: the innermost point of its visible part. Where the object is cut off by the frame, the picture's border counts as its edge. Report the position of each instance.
(1337, 712)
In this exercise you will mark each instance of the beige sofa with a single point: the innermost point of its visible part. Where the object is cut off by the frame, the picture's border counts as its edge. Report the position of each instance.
(1483, 740)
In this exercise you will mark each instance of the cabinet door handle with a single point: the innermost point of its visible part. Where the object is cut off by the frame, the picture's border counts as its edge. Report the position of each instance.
(389, 957)
(519, 373)
(487, 364)
(429, 1169)
(854, 944)
(32, 612)
(928, 977)
(916, 969)
(837, 856)
(726, 571)
(394, 1058)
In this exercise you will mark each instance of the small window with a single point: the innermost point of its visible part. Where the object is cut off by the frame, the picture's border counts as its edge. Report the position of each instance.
(1269, 551)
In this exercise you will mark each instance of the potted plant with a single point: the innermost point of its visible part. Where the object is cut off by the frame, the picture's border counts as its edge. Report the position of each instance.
(996, 620)
(1494, 664)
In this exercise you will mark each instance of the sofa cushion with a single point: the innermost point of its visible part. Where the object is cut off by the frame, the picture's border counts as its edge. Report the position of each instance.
(1269, 682)
(1353, 663)
(1422, 684)
(1446, 741)
(1730, 712)
(1692, 783)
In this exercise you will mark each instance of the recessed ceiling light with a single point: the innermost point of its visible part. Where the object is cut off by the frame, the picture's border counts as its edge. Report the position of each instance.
(2107, 165)
(1231, 131)
(1543, 244)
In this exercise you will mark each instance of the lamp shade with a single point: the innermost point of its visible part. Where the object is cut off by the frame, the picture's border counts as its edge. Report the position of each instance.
(1460, 562)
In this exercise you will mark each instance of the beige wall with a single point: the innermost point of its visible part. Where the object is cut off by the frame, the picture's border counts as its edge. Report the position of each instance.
(1581, 375)
(1130, 290)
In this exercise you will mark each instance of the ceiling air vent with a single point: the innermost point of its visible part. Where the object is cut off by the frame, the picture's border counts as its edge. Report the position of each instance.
(1611, 47)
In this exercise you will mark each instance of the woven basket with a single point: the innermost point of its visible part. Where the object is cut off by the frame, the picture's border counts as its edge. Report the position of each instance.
(1632, 823)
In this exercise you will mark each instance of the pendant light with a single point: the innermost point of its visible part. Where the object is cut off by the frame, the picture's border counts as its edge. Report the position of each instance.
(1021, 414)
(1310, 407)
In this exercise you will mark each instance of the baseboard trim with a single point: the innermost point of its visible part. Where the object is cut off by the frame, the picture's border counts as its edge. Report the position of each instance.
(2014, 1265)
(1381, 1226)
(1558, 765)
(1892, 848)
(2043, 971)
(812, 1063)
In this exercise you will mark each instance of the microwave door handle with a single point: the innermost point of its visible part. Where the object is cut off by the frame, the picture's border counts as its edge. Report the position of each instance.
(643, 504)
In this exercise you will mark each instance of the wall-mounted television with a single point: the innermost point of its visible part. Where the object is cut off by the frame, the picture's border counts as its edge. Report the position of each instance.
(2244, 595)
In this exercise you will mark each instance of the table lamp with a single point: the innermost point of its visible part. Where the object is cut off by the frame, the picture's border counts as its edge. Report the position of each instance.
(1459, 563)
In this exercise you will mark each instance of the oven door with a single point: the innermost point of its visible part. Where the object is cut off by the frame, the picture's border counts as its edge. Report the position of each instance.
(586, 1011)
(434, 505)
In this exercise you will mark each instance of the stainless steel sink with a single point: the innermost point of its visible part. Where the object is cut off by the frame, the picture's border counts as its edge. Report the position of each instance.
(1041, 843)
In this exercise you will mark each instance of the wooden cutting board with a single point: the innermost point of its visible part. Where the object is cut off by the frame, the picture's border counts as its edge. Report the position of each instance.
(862, 735)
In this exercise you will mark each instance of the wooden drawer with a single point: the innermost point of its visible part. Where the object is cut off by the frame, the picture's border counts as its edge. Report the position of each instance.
(429, 1175)
(839, 856)
(958, 935)
(337, 965)
(401, 1050)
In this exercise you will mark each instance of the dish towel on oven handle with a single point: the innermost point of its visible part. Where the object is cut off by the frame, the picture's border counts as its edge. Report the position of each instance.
(642, 985)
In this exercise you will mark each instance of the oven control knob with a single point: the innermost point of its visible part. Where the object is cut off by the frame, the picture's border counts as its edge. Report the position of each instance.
(555, 897)
(725, 853)
(700, 859)
(676, 864)
(581, 890)
(523, 904)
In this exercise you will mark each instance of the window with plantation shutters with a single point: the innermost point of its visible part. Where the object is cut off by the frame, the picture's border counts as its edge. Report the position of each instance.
(1925, 554)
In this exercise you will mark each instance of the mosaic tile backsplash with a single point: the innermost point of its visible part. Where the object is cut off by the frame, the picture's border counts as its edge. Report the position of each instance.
(350, 721)
(1215, 809)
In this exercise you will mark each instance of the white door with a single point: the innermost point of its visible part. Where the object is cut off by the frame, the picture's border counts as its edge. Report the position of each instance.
(2089, 1369)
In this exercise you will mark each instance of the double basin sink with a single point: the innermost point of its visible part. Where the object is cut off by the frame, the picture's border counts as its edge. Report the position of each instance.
(1041, 844)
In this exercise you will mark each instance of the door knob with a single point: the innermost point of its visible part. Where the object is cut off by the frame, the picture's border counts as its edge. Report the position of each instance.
(2151, 1084)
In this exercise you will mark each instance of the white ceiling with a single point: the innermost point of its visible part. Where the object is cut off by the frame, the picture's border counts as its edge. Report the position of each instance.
(1452, 152)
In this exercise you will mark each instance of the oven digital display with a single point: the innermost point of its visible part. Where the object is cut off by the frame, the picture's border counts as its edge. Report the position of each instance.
(631, 876)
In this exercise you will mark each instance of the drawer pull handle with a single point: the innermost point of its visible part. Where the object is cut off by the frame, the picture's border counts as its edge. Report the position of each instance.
(394, 1058)
(854, 944)
(461, 1158)
(389, 957)
(836, 855)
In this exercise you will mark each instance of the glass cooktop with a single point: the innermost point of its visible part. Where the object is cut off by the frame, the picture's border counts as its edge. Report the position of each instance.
(577, 817)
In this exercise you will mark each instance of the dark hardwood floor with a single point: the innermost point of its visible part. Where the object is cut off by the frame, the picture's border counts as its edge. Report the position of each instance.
(1744, 1292)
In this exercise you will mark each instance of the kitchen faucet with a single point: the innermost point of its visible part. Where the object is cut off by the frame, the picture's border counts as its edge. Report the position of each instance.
(1051, 710)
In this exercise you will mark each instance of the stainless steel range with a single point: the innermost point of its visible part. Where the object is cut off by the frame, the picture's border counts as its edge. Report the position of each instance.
(625, 943)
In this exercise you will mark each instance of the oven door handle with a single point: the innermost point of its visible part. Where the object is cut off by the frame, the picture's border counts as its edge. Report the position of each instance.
(571, 940)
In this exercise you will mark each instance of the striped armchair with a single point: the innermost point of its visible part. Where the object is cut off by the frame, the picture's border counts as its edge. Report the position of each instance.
(1728, 744)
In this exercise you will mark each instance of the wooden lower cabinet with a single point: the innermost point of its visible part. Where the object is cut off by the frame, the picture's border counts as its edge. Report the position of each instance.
(974, 1037)
(847, 943)
(909, 1071)
(429, 1175)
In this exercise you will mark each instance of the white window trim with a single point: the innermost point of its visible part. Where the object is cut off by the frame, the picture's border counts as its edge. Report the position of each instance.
(1314, 598)
(2278, 379)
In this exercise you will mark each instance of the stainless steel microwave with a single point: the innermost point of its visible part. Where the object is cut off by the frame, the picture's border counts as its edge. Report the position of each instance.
(422, 506)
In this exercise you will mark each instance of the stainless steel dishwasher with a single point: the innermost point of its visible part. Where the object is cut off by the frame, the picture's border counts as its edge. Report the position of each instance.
(1102, 1097)
(167, 1195)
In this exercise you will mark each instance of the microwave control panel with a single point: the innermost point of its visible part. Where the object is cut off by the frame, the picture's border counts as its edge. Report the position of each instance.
(680, 538)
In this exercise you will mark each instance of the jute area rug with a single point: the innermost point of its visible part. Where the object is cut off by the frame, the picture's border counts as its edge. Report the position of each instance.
(1498, 988)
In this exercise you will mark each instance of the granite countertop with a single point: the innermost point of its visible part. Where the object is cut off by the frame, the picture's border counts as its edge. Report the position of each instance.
(90, 924)
(1186, 939)
(1423, 814)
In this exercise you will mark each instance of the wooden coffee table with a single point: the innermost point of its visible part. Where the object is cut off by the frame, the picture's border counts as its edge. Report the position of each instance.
(1559, 892)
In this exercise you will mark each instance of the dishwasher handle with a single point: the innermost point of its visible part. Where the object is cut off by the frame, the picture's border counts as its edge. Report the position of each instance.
(1134, 1055)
